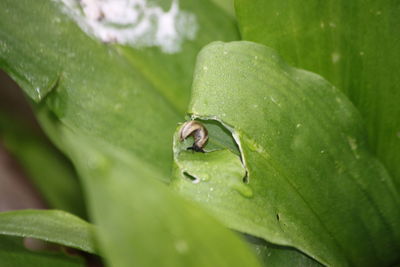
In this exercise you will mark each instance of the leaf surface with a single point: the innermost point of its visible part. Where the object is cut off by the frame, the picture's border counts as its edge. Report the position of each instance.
(272, 255)
(113, 109)
(49, 225)
(94, 86)
(13, 253)
(354, 44)
(154, 226)
(305, 177)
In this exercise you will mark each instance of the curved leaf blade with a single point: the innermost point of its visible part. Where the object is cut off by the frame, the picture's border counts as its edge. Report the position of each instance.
(100, 100)
(273, 255)
(142, 222)
(13, 253)
(312, 183)
(49, 225)
(79, 78)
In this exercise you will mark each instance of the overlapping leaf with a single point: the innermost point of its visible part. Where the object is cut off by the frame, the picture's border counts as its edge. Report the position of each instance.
(100, 101)
(50, 225)
(79, 78)
(51, 174)
(154, 227)
(311, 181)
(13, 253)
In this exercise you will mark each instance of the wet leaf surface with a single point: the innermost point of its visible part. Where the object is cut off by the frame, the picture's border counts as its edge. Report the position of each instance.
(49, 225)
(311, 181)
(353, 44)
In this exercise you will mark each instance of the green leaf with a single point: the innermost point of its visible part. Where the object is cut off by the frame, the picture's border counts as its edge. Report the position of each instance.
(49, 171)
(113, 109)
(354, 44)
(50, 225)
(152, 226)
(305, 177)
(272, 255)
(94, 87)
(13, 253)
(227, 5)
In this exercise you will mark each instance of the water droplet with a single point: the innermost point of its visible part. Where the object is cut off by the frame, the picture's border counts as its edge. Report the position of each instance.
(205, 177)
(352, 143)
(117, 106)
(98, 163)
(242, 189)
(298, 125)
(335, 57)
(353, 146)
(322, 25)
(205, 68)
(361, 53)
(254, 146)
(38, 93)
(181, 246)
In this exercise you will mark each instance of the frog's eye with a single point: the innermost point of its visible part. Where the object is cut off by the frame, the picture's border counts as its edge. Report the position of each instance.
(199, 133)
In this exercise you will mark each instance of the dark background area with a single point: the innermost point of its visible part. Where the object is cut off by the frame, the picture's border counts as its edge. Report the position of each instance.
(16, 190)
